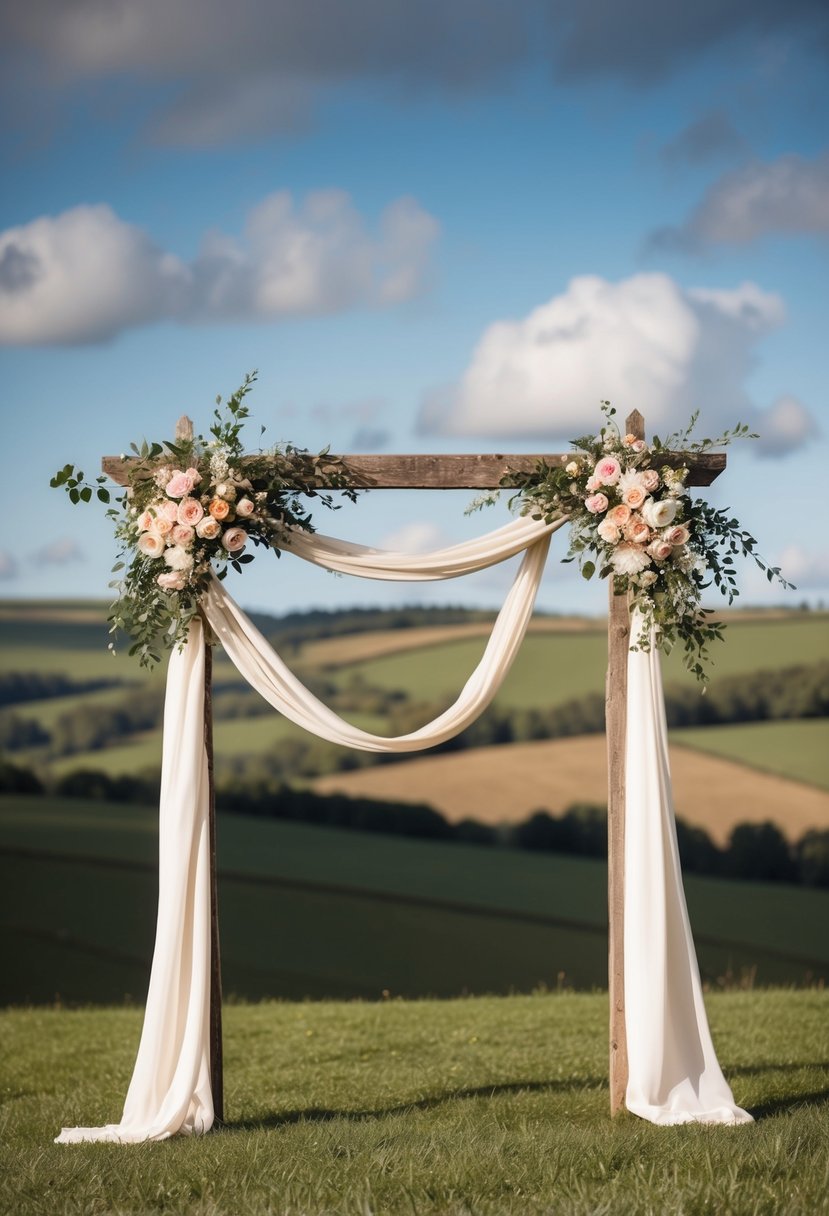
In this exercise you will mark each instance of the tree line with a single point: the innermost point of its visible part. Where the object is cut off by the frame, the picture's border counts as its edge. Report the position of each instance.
(755, 851)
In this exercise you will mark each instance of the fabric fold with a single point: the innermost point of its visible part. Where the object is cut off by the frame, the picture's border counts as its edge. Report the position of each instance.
(674, 1075)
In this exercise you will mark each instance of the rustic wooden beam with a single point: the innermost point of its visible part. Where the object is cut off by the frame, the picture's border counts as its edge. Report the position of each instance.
(618, 644)
(457, 472)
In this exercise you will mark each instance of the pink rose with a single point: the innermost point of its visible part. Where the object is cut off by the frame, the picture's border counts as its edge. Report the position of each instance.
(650, 479)
(189, 512)
(634, 496)
(639, 445)
(678, 535)
(168, 510)
(619, 515)
(608, 471)
(660, 549)
(596, 503)
(162, 526)
(171, 580)
(208, 528)
(151, 544)
(234, 539)
(195, 477)
(592, 484)
(608, 531)
(244, 508)
(637, 530)
(182, 535)
(179, 484)
(145, 521)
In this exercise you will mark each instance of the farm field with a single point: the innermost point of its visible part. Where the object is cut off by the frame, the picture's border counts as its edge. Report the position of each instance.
(796, 749)
(320, 912)
(505, 784)
(496, 1106)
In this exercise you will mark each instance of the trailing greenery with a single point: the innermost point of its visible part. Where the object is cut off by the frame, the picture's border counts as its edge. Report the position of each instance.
(491, 1106)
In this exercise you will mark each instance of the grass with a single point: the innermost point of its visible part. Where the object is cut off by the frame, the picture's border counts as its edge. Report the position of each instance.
(799, 750)
(487, 1106)
(319, 912)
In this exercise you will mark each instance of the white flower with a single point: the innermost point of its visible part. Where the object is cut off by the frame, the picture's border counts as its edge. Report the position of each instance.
(178, 558)
(659, 512)
(629, 558)
(630, 478)
(208, 528)
(572, 468)
(226, 491)
(647, 578)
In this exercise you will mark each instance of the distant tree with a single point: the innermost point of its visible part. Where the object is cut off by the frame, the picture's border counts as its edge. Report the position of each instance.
(759, 851)
(813, 859)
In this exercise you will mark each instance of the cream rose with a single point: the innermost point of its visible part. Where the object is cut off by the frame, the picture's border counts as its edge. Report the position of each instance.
(608, 531)
(634, 497)
(162, 526)
(650, 479)
(596, 503)
(182, 535)
(234, 539)
(189, 512)
(658, 513)
(244, 508)
(208, 528)
(572, 468)
(226, 490)
(168, 510)
(151, 544)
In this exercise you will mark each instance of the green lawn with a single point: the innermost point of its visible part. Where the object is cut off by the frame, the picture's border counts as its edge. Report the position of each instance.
(796, 749)
(320, 912)
(491, 1106)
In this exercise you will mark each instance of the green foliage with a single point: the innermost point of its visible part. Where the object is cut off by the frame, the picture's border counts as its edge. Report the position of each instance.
(159, 582)
(490, 1106)
(700, 543)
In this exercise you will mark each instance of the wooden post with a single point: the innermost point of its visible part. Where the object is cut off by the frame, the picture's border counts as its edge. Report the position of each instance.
(618, 643)
(184, 430)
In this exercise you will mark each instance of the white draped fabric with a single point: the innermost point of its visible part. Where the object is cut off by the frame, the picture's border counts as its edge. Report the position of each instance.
(674, 1073)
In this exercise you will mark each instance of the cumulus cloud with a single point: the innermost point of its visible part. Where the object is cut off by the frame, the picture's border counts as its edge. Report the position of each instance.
(644, 343)
(708, 138)
(783, 427)
(212, 75)
(789, 196)
(86, 275)
(418, 536)
(8, 565)
(60, 552)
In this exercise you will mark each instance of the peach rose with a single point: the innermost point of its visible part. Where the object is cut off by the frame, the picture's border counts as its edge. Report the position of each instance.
(151, 544)
(208, 528)
(168, 510)
(608, 531)
(195, 476)
(171, 580)
(660, 549)
(637, 530)
(650, 479)
(219, 509)
(145, 521)
(244, 508)
(234, 539)
(596, 503)
(608, 471)
(678, 535)
(162, 526)
(182, 535)
(619, 515)
(634, 496)
(190, 512)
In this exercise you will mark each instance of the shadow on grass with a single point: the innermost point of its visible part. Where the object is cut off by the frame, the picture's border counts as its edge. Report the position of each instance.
(778, 1106)
(320, 1115)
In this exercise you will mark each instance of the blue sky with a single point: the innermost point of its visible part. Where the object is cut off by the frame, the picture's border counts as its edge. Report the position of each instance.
(431, 228)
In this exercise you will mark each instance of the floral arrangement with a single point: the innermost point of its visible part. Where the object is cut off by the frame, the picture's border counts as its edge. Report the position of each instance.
(194, 507)
(632, 519)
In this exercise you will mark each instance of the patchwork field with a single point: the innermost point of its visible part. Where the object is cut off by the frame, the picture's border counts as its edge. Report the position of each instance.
(317, 912)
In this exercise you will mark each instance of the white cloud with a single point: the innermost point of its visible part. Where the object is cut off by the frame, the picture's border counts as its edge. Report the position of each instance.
(8, 565)
(83, 276)
(787, 196)
(807, 569)
(86, 275)
(643, 343)
(784, 427)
